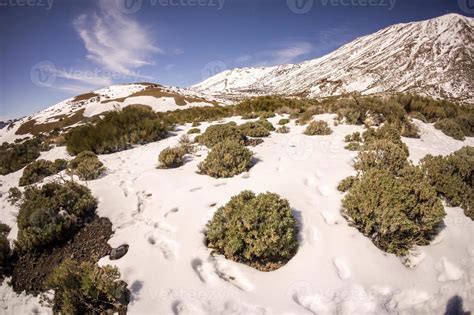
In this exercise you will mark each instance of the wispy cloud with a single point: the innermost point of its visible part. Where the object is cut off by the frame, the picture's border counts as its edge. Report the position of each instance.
(117, 47)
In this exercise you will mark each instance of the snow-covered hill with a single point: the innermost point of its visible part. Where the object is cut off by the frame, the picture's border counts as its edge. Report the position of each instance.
(76, 109)
(433, 58)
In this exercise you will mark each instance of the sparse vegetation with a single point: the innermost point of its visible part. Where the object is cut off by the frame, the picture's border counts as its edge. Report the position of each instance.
(283, 121)
(319, 128)
(450, 128)
(257, 129)
(396, 212)
(172, 157)
(346, 183)
(382, 155)
(256, 230)
(14, 195)
(15, 156)
(85, 288)
(226, 159)
(40, 169)
(216, 134)
(4, 249)
(50, 213)
(194, 131)
(453, 177)
(117, 130)
(87, 166)
(283, 129)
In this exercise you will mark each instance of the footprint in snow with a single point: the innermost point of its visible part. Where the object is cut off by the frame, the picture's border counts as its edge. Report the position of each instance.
(174, 210)
(195, 189)
(342, 269)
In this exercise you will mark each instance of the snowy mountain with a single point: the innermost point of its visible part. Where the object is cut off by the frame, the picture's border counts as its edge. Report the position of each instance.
(77, 109)
(433, 57)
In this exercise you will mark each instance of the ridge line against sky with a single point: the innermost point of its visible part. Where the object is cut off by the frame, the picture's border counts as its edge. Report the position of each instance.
(77, 46)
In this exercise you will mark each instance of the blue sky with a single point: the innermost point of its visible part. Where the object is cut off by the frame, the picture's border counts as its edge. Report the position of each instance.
(54, 49)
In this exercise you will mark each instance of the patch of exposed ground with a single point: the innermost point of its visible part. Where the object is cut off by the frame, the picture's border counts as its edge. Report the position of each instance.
(158, 92)
(88, 244)
(85, 97)
(60, 121)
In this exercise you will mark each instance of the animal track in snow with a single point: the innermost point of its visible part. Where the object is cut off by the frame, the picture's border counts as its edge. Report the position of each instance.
(342, 269)
(195, 189)
(232, 275)
(174, 210)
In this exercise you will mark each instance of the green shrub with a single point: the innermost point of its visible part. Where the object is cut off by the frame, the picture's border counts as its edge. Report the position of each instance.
(256, 129)
(172, 157)
(397, 213)
(87, 166)
(216, 134)
(265, 115)
(85, 288)
(382, 154)
(346, 183)
(256, 230)
(118, 130)
(48, 214)
(410, 130)
(355, 137)
(196, 124)
(251, 115)
(226, 159)
(450, 128)
(353, 146)
(453, 177)
(283, 129)
(194, 131)
(4, 249)
(14, 195)
(283, 121)
(186, 144)
(40, 169)
(14, 157)
(319, 128)
(386, 132)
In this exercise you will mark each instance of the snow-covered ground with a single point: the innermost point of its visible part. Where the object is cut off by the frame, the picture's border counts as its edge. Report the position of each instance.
(162, 214)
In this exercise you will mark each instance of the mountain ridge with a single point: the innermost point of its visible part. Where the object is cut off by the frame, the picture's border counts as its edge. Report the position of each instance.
(371, 64)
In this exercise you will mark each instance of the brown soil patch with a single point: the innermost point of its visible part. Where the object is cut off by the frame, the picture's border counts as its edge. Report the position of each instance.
(85, 97)
(61, 121)
(158, 92)
(88, 244)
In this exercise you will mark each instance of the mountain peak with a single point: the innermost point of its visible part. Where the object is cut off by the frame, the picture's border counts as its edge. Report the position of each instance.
(432, 57)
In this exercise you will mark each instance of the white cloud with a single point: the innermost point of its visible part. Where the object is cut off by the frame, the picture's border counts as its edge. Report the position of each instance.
(115, 41)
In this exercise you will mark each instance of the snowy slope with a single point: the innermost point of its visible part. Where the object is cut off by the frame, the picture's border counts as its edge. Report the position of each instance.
(161, 214)
(106, 99)
(433, 58)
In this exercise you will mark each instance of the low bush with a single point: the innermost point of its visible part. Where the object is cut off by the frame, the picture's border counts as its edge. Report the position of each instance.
(186, 144)
(319, 128)
(355, 137)
(194, 131)
(386, 132)
(410, 130)
(226, 159)
(453, 177)
(283, 129)
(450, 128)
(216, 134)
(87, 166)
(14, 195)
(255, 129)
(283, 121)
(196, 124)
(50, 213)
(346, 183)
(353, 146)
(118, 130)
(172, 157)
(396, 212)
(256, 230)
(382, 154)
(14, 157)
(85, 288)
(40, 169)
(4, 249)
